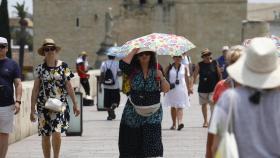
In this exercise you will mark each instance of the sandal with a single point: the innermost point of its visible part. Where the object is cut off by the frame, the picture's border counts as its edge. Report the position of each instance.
(172, 127)
(181, 126)
(205, 125)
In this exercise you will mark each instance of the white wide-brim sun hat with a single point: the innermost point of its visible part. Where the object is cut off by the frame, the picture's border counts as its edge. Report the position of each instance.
(258, 67)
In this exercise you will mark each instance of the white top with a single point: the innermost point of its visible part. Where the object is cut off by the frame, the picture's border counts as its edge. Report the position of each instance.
(80, 60)
(114, 66)
(177, 97)
(185, 61)
(256, 126)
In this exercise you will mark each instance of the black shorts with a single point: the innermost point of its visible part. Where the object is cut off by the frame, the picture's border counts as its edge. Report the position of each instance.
(111, 96)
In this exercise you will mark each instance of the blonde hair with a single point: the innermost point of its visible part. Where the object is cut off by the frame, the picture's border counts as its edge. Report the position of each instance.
(234, 53)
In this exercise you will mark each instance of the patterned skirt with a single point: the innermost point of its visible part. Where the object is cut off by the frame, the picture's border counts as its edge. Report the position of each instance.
(140, 136)
(50, 122)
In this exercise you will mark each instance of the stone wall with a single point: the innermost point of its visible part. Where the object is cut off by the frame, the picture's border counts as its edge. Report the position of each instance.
(22, 125)
(207, 23)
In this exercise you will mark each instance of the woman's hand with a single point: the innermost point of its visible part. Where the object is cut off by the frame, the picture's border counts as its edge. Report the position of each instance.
(32, 117)
(76, 110)
(164, 85)
(190, 91)
(134, 51)
(131, 54)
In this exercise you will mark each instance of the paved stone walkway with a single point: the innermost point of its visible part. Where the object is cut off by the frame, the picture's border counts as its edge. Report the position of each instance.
(100, 137)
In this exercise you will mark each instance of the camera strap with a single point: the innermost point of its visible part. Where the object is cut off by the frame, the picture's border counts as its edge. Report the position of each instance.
(177, 71)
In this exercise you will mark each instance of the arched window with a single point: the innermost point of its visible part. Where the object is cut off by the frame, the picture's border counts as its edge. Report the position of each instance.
(160, 1)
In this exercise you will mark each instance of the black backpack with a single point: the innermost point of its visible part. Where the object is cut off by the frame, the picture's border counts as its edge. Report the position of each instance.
(108, 76)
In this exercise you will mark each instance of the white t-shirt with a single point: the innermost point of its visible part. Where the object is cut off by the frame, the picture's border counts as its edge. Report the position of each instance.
(256, 126)
(114, 66)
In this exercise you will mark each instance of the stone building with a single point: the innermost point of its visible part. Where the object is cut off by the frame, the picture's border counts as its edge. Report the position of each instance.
(79, 25)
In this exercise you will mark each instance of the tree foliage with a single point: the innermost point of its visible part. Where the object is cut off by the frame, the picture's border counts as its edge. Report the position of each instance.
(4, 24)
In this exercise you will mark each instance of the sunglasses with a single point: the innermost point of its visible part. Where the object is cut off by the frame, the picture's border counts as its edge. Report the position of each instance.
(206, 55)
(177, 56)
(144, 53)
(49, 49)
(2, 46)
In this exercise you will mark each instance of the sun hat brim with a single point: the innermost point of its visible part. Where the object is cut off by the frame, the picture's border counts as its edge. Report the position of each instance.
(243, 75)
(205, 54)
(41, 50)
(145, 49)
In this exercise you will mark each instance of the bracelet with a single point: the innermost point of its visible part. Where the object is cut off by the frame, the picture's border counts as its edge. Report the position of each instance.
(163, 78)
(19, 102)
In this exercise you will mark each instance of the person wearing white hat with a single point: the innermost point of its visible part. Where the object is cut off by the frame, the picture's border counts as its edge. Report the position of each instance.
(10, 76)
(82, 69)
(109, 78)
(255, 104)
(222, 61)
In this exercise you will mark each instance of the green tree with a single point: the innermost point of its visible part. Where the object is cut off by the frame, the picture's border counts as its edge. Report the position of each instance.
(21, 11)
(4, 24)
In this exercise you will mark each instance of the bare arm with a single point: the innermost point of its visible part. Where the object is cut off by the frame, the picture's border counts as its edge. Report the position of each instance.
(18, 88)
(219, 73)
(216, 141)
(165, 87)
(34, 96)
(196, 71)
(129, 57)
(209, 145)
(188, 82)
(71, 93)
(80, 70)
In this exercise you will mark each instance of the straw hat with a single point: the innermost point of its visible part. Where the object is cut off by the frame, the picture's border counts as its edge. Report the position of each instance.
(48, 42)
(258, 67)
(205, 51)
(83, 53)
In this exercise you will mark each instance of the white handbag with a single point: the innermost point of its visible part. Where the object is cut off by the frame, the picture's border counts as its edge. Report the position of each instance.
(54, 104)
(228, 145)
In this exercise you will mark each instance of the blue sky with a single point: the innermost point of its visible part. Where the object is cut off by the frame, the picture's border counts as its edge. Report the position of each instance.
(30, 6)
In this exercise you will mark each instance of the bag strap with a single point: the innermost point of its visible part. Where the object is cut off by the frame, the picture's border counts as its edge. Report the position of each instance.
(229, 124)
(51, 75)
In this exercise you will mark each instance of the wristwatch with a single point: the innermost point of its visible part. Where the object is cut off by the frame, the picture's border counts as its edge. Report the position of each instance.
(17, 101)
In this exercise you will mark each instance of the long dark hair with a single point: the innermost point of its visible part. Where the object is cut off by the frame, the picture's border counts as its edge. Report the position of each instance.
(152, 63)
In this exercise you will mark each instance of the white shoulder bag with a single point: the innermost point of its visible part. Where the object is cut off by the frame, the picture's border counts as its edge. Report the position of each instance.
(228, 145)
(54, 104)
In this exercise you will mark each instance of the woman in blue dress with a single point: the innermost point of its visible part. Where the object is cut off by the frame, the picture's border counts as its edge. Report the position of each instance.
(140, 127)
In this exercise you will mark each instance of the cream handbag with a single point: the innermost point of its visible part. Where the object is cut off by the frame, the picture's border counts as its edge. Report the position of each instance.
(54, 104)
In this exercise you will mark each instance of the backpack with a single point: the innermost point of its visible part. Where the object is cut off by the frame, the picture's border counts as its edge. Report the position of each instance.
(108, 76)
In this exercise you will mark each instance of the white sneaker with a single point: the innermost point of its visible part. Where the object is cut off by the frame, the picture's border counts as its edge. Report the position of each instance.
(88, 97)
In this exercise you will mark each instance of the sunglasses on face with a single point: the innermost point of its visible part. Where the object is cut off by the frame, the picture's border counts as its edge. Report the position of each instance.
(177, 57)
(2, 46)
(144, 53)
(206, 55)
(49, 49)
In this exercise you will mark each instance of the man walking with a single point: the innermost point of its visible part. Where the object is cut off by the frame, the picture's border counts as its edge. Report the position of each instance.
(209, 76)
(222, 62)
(109, 77)
(9, 77)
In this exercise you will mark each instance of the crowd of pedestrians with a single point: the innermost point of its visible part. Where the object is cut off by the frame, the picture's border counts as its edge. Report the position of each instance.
(241, 87)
